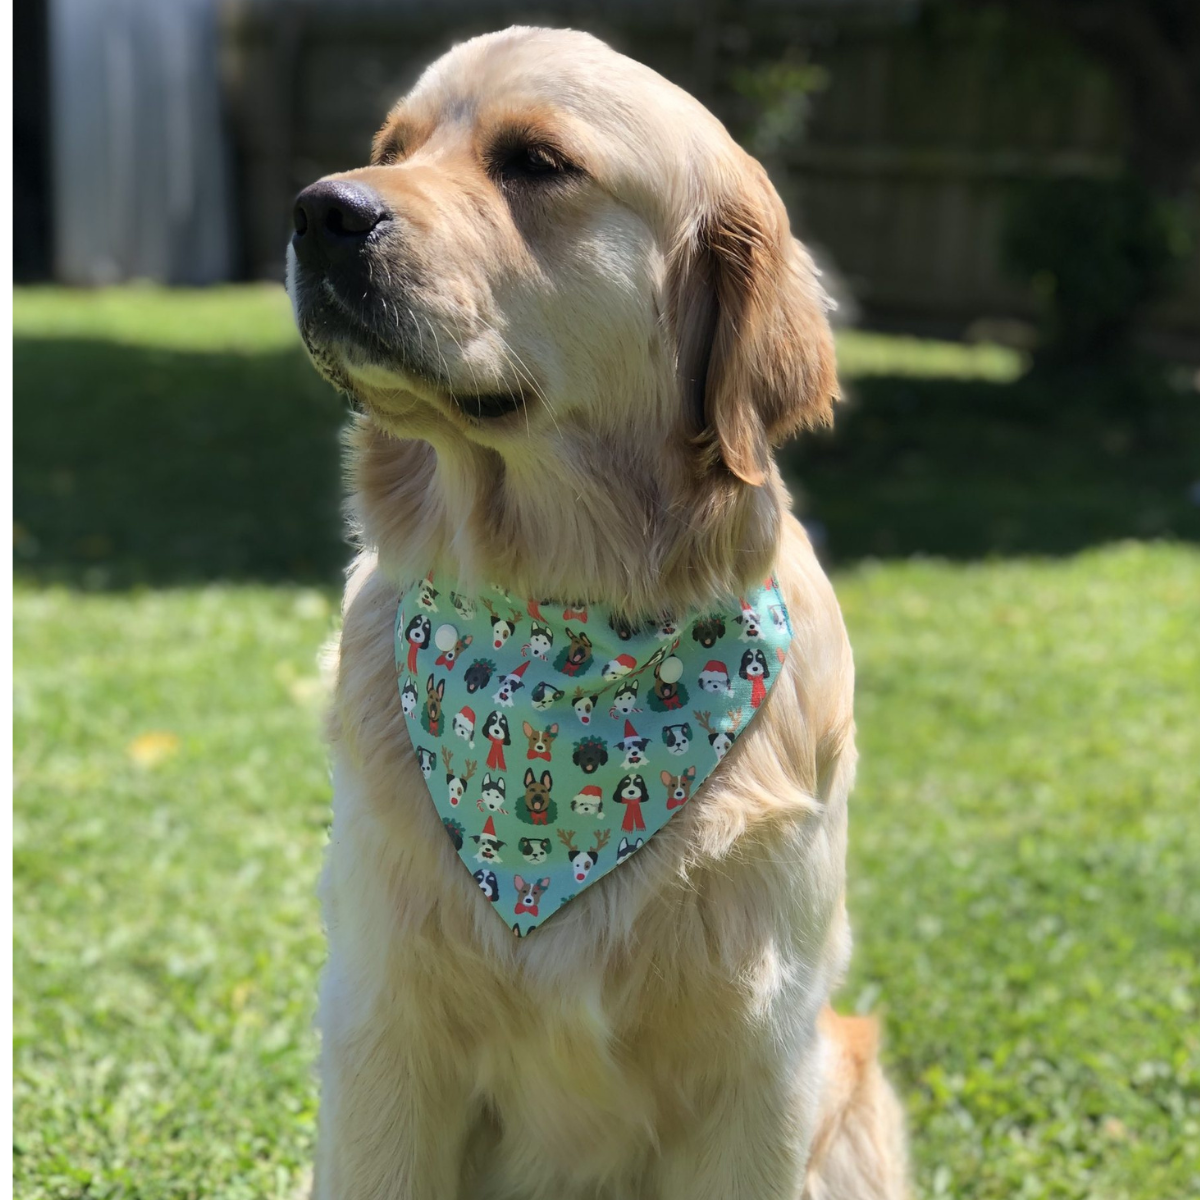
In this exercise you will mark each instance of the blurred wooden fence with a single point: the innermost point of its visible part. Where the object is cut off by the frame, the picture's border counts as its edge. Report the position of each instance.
(900, 180)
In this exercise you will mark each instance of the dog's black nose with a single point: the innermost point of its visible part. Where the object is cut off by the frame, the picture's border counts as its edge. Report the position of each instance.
(333, 219)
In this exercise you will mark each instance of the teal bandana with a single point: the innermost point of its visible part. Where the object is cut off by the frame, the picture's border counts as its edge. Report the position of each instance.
(556, 739)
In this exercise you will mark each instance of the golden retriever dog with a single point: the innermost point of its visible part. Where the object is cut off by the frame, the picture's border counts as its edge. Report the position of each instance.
(574, 322)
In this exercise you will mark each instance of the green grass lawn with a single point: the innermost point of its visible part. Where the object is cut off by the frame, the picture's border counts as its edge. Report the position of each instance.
(1025, 830)
(1023, 877)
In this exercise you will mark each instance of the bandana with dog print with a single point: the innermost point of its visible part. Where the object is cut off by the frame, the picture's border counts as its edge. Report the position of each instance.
(556, 740)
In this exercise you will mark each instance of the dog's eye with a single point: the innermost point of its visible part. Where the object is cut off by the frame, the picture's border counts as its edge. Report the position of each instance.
(519, 163)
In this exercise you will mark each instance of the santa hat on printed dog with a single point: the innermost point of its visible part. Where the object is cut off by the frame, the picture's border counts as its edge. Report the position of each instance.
(631, 739)
(464, 725)
(513, 678)
(489, 828)
(616, 667)
(589, 797)
(715, 676)
(751, 622)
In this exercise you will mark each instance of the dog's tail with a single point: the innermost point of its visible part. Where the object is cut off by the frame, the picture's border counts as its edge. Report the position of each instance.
(858, 1152)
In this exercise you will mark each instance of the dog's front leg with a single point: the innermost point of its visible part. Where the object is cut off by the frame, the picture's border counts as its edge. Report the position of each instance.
(394, 1116)
(747, 1141)
(395, 1106)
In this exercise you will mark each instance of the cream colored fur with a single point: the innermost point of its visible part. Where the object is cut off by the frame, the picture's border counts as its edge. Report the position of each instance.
(662, 1037)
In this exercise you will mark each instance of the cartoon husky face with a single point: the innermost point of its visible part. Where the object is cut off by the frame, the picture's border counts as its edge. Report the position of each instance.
(492, 793)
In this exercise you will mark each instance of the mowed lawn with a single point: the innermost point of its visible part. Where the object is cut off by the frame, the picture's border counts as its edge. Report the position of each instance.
(1025, 830)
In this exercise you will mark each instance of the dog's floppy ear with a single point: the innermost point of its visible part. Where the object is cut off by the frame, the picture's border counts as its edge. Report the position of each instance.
(755, 351)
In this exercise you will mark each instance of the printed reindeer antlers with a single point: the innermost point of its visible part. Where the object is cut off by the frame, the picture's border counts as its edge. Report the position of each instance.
(514, 614)
(735, 715)
(567, 837)
(469, 770)
(602, 836)
(704, 720)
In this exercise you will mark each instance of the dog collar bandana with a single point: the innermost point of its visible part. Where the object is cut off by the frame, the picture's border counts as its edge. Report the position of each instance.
(556, 739)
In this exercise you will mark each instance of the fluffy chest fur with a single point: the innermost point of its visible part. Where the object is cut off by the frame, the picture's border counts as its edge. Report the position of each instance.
(583, 1049)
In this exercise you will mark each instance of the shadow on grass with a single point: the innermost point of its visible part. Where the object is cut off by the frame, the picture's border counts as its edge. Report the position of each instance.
(136, 465)
(142, 466)
(964, 469)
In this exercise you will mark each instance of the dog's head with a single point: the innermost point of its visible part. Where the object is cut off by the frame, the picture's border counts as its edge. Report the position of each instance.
(559, 268)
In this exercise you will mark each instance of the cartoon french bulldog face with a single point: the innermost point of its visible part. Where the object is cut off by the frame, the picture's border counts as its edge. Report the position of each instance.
(677, 738)
(488, 884)
(408, 698)
(426, 761)
(534, 850)
(463, 605)
(544, 696)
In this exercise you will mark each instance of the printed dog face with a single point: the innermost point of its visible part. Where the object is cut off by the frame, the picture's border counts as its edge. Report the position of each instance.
(534, 850)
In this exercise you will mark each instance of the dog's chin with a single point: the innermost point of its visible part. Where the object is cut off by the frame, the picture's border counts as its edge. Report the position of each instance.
(386, 378)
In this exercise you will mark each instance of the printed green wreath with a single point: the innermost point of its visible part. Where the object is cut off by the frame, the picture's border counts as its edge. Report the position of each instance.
(551, 815)
(655, 702)
(584, 667)
(590, 753)
(455, 830)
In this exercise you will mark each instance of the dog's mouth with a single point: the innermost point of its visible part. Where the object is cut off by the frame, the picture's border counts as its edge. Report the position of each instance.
(346, 341)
